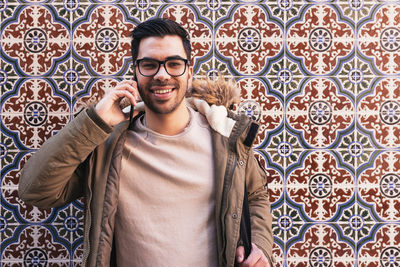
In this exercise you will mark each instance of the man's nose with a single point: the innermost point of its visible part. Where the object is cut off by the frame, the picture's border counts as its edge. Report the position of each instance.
(162, 73)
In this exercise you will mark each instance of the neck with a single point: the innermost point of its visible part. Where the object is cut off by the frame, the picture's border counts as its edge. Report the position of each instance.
(168, 124)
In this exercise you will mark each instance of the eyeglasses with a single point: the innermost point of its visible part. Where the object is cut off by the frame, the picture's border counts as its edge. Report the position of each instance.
(173, 66)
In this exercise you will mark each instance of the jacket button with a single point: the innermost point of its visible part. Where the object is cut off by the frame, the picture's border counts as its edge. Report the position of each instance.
(241, 162)
(234, 216)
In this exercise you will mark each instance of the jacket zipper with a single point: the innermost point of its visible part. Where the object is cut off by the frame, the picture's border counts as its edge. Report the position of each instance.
(87, 232)
(86, 237)
(225, 198)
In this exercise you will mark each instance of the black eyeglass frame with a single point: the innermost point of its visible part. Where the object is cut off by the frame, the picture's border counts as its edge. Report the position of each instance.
(162, 62)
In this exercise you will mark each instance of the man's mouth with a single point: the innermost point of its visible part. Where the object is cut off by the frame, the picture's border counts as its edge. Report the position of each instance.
(164, 91)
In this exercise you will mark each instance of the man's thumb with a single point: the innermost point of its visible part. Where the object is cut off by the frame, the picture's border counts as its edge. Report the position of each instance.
(240, 254)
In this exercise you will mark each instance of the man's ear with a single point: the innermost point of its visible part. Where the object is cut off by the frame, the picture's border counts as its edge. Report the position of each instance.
(190, 71)
(190, 78)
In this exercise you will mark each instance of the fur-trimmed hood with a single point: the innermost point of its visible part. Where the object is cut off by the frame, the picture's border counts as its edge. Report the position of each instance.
(213, 98)
(219, 91)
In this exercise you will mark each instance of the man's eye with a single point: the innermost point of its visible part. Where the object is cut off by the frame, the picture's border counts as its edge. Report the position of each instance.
(175, 64)
(149, 65)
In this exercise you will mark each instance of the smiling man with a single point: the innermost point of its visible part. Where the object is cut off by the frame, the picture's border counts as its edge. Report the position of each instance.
(165, 186)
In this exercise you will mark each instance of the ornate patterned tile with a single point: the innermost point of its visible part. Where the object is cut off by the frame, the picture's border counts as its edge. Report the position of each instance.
(109, 28)
(287, 225)
(285, 76)
(35, 111)
(214, 10)
(7, 77)
(355, 76)
(11, 161)
(33, 41)
(356, 223)
(7, 9)
(9, 192)
(289, 10)
(35, 246)
(379, 112)
(69, 224)
(9, 143)
(320, 113)
(378, 38)
(320, 245)
(382, 249)
(282, 151)
(278, 255)
(93, 90)
(354, 150)
(248, 40)
(379, 186)
(77, 255)
(320, 187)
(320, 39)
(8, 227)
(354, 10)
(143, 10)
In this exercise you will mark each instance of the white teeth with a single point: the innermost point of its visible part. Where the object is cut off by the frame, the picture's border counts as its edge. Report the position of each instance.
(163, 91)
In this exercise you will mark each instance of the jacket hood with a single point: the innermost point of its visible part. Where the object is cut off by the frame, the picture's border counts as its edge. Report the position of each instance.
(219, 91)
(213, 98)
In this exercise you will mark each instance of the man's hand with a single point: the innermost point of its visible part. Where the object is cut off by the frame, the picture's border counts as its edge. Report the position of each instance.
(109, 108)
(255, 259)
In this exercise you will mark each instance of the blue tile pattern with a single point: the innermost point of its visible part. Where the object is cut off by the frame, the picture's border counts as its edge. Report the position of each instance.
(321, 77)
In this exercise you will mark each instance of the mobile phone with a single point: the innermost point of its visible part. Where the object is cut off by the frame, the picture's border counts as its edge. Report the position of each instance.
(132, 106)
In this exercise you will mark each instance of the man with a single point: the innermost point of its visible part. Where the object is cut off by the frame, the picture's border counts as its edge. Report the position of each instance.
(167, 187)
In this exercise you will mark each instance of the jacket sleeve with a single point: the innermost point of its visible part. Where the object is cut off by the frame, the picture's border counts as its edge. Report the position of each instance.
(52, 176)
(259, 205)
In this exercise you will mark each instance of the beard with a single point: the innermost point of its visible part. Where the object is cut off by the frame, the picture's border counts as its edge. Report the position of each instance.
(158, 107)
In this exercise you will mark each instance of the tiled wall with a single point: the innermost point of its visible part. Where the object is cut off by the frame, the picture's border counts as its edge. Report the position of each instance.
(322, 77)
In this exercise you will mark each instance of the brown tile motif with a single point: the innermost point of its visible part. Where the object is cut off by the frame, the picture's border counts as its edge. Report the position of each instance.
(379, 39)
(102, 40)
(35, 113)
(248, 39)
(379, 113)
(320, 39)
(383, 250)
(35, 247)
(380, 186)
(320, 186)
(35, 40)
(320, 113)
(321, 246)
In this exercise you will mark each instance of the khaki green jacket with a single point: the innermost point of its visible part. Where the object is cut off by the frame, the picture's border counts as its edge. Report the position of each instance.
(83, 159)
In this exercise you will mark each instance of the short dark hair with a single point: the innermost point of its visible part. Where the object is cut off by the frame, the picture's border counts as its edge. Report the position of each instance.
(159, 27)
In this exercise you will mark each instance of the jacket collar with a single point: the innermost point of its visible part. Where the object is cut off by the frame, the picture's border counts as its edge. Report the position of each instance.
(217, 116)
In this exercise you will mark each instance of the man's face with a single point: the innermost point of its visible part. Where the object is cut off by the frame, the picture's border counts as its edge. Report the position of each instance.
(162, 93)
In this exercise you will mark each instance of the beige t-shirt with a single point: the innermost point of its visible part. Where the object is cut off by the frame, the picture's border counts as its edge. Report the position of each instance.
(166, 209)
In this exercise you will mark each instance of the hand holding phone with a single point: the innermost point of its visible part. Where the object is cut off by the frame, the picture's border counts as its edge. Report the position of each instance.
(110, 108)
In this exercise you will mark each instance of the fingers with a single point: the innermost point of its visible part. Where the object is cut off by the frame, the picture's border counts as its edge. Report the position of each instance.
(256, 258)
(239, 254)
(131, 87)
(109, 107)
